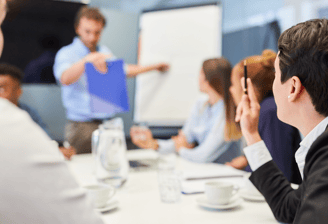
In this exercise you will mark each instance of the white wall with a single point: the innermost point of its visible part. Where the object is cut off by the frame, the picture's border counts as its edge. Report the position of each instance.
(238, 14)
(235, 16)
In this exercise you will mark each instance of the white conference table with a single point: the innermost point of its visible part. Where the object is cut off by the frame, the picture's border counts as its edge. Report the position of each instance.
(139, 199)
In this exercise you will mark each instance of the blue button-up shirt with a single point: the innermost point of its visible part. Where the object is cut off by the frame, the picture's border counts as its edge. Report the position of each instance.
(76, 98)
(205, 126)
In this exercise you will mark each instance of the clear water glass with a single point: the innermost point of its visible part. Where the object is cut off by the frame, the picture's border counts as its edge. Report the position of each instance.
(169, 181)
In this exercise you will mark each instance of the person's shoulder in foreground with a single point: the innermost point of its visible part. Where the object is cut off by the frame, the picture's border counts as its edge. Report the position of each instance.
(35, 116)
(36, 185)
(307, 204)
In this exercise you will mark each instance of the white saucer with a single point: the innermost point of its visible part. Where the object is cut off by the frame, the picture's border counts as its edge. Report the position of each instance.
(110, 206)
(250, 197)
(202, 201)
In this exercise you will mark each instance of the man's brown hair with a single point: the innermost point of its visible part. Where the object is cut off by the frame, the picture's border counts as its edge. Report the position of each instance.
(89, 13)
(303, 52)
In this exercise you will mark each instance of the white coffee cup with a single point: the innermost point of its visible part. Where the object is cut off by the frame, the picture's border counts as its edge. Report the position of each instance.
(220, 192)
(100, 194)
(249, 187)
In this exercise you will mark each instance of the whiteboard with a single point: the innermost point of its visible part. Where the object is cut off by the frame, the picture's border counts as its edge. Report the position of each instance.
(184, 38)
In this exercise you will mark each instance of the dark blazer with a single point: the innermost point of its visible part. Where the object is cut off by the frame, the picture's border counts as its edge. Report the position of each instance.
(281, 139)
(307, 204)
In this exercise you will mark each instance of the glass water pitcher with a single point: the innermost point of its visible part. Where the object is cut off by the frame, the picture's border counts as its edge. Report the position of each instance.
(109, 150)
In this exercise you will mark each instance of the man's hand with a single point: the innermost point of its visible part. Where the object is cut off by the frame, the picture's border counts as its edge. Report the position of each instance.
(248, 112)
(68, 152)
(134, 70)
(99, 60)
(180, 141)
(162, 67)
(238, 163)
(143, 138)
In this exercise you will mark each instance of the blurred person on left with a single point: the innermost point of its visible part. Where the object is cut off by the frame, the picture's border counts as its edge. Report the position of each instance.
(36, 184)
(10, 89)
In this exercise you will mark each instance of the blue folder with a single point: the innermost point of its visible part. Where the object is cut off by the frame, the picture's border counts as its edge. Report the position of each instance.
(108, 91)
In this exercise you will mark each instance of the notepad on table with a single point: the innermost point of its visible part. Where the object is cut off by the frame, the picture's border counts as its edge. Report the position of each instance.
(193, 181)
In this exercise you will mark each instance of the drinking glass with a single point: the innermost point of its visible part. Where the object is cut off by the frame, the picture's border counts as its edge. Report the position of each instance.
(169, 179)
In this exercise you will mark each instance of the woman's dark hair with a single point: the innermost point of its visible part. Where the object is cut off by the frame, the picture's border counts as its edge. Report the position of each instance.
(217, 72)
(303, 52)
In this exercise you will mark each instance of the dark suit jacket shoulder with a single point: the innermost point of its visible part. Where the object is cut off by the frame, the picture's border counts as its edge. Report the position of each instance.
(307, 204)
(281, 139)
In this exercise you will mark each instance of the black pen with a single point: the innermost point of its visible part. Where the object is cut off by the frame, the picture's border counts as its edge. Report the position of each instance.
(245, 76)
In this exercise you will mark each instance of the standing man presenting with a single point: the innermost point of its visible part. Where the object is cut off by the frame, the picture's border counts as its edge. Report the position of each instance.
(69, 71)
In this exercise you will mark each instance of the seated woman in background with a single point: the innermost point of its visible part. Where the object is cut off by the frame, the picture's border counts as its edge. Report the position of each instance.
(210, 133)
(275, 134)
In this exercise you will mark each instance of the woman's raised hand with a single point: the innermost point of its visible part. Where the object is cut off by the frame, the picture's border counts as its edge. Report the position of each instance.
(248, 112)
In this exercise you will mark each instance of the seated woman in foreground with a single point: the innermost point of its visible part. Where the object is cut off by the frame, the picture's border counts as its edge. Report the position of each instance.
(281, 139)
(210, 125)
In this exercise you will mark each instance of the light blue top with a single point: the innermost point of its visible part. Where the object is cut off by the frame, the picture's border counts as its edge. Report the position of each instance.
(205, 126)
(76, 98)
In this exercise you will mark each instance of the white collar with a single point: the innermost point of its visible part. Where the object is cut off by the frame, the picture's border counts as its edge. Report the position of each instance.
(305, 145)
(315, 133)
